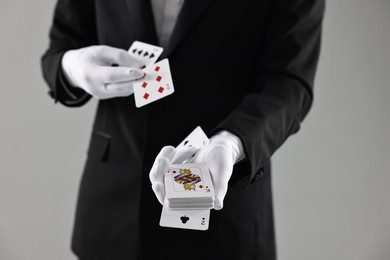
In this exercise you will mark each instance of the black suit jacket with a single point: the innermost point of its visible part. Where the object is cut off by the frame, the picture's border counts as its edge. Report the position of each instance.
(246, 66)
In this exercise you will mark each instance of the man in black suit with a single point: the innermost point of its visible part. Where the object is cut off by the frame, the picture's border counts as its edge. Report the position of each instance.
(243, 70)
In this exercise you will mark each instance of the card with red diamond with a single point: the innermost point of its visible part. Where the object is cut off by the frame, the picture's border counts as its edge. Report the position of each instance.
(186, 183)
(156, 84)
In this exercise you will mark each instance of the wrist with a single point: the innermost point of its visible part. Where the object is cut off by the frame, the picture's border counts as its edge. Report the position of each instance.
(65, 68)
(233, 142)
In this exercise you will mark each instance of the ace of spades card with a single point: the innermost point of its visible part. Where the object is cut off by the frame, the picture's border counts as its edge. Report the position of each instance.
(156, 84)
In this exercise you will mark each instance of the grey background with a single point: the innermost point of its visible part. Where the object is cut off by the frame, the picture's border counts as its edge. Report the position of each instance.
(331, 180)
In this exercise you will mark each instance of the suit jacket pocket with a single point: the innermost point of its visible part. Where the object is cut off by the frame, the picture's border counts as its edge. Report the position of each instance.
(99, 146)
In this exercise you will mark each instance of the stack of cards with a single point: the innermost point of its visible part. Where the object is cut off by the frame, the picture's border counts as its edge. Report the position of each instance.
(157, 82)
(189, 196)
(189, 186)
(189, 190)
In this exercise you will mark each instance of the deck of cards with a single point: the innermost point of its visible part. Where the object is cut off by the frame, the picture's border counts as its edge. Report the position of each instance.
(189, 186)
(157, 82)
(189, 191)
(189, 197)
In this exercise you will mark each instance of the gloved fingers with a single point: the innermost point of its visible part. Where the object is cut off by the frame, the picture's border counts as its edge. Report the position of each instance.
(159, 191)
(219, 197)
(103, 96)
(220, 181)
(220, 164)
(108, 74)
(122, 89)
(184, 155)
(160, 167)
(110, 55)
(199, 155)
(220, 176)
(106, 92)
(161, 164)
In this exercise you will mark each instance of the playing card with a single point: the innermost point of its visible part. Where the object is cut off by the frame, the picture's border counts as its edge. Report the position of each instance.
(187, 219)
(156, 84)
(145, 53)
(197, 138)
(189, 197)
(189, 181)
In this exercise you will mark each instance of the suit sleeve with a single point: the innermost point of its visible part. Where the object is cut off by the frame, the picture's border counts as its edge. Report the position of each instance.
(73, 27)
(283, 93)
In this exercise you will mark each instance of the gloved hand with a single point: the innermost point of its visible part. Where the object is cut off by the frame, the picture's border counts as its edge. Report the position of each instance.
(91, 69)
(219, 156)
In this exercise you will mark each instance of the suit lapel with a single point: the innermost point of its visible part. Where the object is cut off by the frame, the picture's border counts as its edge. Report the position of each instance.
(142, 17)
(190, 13)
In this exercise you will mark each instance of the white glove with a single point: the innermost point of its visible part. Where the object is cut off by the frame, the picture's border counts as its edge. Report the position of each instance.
(224, 150)
(91, 69)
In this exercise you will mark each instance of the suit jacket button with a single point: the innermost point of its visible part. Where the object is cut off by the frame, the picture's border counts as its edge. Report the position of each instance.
(259, 174)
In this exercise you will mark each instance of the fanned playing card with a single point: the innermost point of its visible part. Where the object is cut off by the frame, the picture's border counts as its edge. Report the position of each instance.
(145, 53)
(197, 138)
(156, 84)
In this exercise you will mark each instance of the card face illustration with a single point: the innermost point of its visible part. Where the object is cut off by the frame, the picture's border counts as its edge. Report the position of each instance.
(188, 180)
(185, 219)
(156, 84)
(146, 54)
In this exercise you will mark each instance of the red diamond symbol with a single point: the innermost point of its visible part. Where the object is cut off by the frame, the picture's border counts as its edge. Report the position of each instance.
(161, 89)
(201, 186)
(146, 96)
(157, 68)
(144, 85)
(159, 78)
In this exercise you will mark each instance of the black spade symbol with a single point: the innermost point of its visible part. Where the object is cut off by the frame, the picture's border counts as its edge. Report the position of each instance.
(134, 50)
(184, 219)
(146, 53)
(151, 55)
(140, 52)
